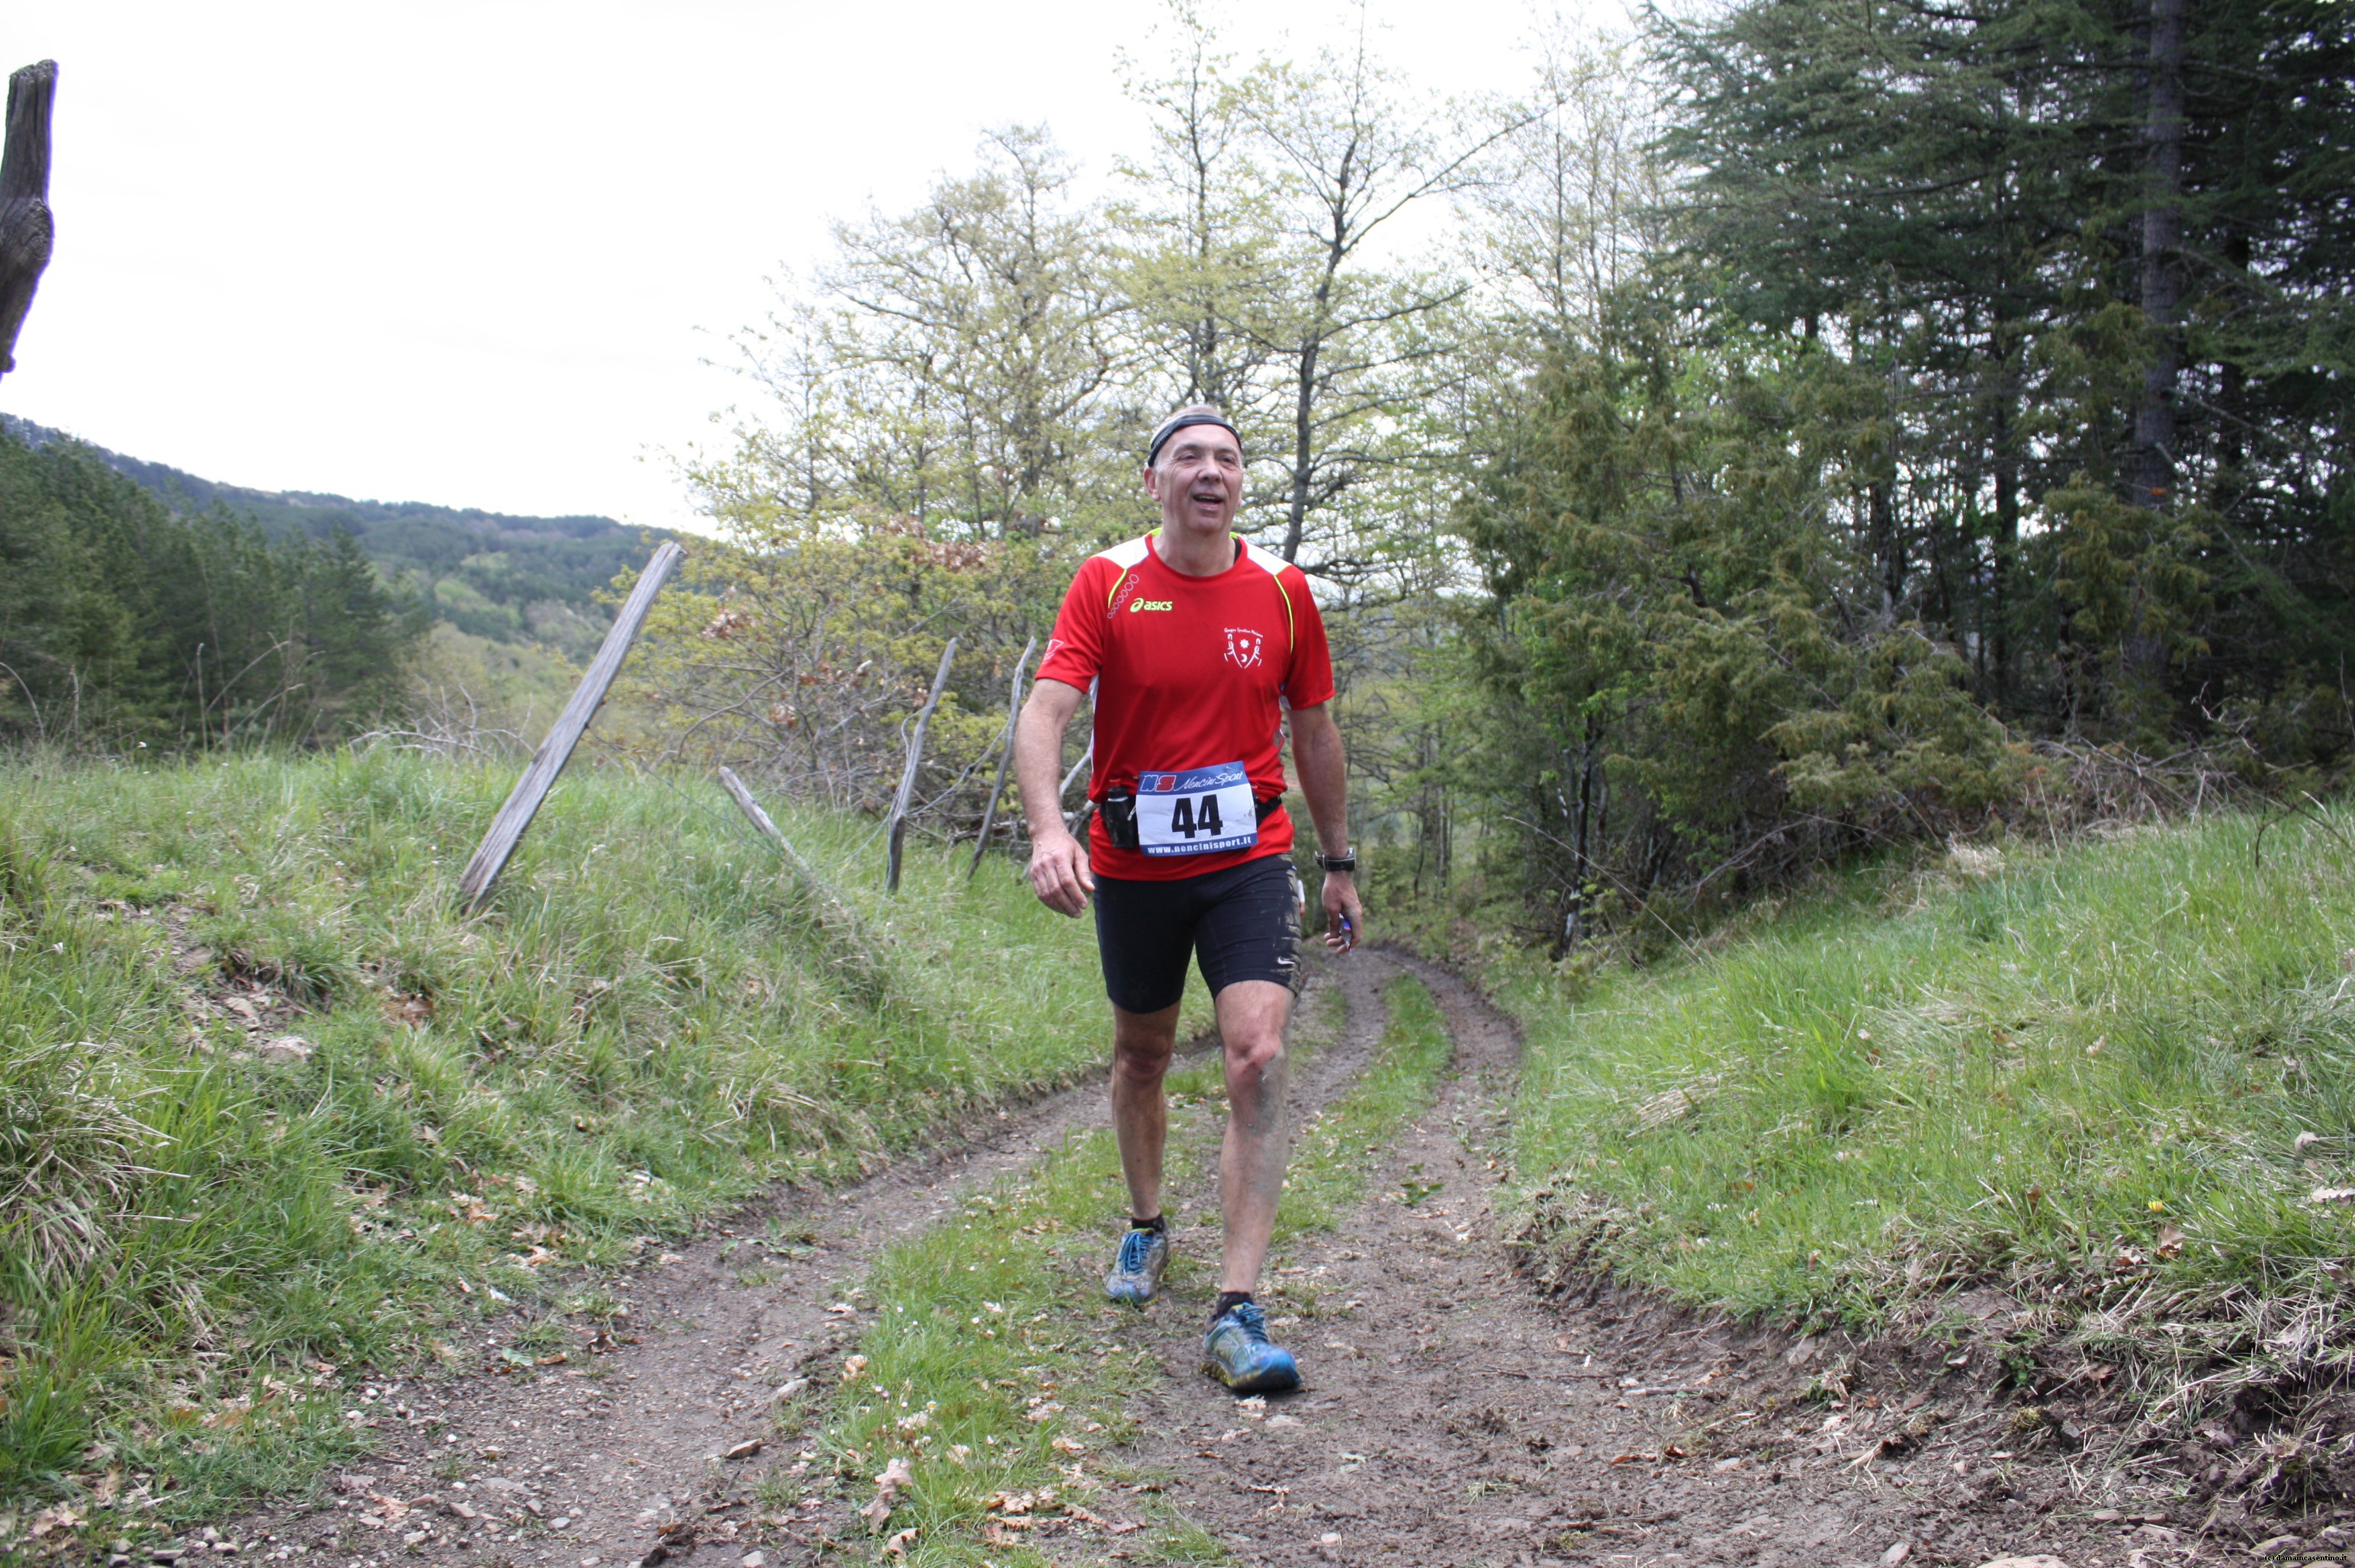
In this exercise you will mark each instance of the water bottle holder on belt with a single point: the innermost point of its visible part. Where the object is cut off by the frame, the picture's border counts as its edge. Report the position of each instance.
(1118, 812)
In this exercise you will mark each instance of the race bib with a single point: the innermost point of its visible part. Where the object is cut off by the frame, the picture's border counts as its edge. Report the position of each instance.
(1197, 812)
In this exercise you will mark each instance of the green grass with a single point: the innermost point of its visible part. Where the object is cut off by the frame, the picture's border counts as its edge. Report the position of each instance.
(204, 1245)
(996, 1369)
(2106, 1079)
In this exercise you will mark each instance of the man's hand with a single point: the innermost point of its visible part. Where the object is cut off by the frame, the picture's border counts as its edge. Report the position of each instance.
(1059, 863)
(1345, 917)
(1059, 872)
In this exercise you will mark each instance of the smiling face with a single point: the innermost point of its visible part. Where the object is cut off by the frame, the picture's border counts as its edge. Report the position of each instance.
(1198, 481)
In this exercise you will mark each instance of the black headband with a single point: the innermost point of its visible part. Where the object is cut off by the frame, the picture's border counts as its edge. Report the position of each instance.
(1161, 437)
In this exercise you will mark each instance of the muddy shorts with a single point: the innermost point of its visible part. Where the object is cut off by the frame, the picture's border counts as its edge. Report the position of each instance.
(1240, 924)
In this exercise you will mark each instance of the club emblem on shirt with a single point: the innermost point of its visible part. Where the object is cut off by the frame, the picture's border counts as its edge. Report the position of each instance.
(1244, 647)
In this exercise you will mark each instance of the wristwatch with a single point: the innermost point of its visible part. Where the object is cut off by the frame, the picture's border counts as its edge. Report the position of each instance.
(1344, 861)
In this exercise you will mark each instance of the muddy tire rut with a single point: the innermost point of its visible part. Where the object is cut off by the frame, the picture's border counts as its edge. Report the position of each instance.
(1451, 1413)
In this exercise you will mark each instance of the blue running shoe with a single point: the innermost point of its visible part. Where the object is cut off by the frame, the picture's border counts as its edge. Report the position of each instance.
(1136, 1276)
(1236, 1352)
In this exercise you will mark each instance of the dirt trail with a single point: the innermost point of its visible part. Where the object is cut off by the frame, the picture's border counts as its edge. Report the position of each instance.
(1450, 1415)
(594, 1458)
(1453, 1415)
(599, 1456)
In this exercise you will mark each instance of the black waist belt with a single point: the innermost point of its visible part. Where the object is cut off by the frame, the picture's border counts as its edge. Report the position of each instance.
(1117, 811)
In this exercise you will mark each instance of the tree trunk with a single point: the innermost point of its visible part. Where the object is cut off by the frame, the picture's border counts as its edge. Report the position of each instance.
(26, 232)
(1304, 430)
(2162, 238)
(1998, 631)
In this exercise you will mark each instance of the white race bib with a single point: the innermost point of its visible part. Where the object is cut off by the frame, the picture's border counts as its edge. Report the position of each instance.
(1197, 812)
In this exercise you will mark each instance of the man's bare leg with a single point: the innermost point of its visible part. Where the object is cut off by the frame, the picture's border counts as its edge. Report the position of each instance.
(1252, 1019)
(1142, 1044)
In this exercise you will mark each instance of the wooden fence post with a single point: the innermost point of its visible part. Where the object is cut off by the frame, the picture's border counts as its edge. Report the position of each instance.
(28, 231)
(769, 831)
(507, 829)
(1073, 818)
(898, 829)
(1013, 717)
(856, 950)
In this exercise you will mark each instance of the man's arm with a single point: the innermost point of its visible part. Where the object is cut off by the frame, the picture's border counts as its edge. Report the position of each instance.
(1325, 780)
(1058, 862)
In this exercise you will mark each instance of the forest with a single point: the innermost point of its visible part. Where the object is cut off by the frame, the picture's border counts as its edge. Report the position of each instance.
(1787, 431)
(128, 625)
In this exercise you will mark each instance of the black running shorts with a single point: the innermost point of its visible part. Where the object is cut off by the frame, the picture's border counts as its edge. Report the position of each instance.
(1242, 923)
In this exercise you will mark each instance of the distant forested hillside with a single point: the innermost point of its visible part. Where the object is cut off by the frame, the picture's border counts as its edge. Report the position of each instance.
(510, 579)
(131, 623)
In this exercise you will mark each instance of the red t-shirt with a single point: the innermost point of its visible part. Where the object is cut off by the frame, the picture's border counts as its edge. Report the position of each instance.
(1189, 673)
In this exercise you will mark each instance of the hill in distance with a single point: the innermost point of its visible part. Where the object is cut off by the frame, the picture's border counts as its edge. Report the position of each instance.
(488, 574)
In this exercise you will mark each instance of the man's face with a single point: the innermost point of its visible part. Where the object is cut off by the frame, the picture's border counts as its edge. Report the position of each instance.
(1198, 481)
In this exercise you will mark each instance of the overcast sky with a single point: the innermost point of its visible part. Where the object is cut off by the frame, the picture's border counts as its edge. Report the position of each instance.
(479, 253)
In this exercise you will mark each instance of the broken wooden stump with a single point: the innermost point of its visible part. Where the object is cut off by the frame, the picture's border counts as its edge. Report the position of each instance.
(28, 231)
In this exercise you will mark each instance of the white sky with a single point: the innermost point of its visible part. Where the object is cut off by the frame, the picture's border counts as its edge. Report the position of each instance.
(477, 253)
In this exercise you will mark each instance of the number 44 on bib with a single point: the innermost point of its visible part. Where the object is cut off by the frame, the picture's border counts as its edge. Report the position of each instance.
(1197, 812)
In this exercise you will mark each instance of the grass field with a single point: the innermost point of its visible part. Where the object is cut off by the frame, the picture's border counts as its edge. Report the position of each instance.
(2117, 1081)
(272, 1115)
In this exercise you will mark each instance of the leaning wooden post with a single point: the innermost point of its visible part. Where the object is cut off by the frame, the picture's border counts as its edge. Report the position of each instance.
(856, 950)
(898, 829)
(26, 230)
(1013, 717)
(1071, 819)
(769, 831)
(507, 829)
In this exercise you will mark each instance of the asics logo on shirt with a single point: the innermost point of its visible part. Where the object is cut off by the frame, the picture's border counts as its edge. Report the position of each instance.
(1136, 604)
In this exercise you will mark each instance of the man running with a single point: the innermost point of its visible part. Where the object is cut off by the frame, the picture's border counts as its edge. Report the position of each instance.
(1192, 644)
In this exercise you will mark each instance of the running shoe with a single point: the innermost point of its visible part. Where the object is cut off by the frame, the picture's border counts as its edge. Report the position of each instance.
(1136, 1276)
(1237, 1353)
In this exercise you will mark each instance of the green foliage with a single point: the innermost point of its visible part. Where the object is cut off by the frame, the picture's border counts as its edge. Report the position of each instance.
(198, 1212)
(510, 579)
(798, 649)
(121, 620)
(1683, 665)
(1940, 199)
(2107, 1079)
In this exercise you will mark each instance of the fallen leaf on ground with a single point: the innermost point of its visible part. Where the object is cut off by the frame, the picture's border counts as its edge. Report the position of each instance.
(895, 1478)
